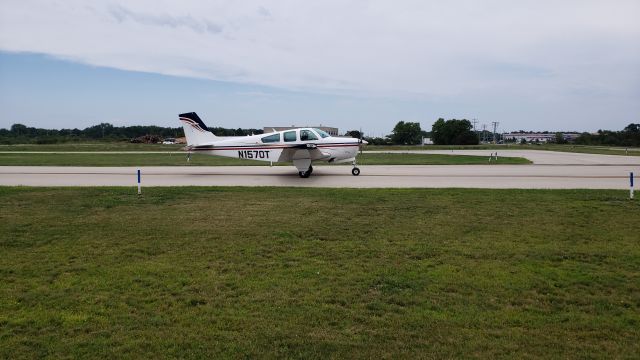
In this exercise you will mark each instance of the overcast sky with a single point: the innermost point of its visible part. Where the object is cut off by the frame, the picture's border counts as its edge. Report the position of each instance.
(535, 65)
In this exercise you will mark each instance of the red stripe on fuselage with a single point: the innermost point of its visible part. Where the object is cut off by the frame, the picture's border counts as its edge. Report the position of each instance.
(193, 124)
(267, 147)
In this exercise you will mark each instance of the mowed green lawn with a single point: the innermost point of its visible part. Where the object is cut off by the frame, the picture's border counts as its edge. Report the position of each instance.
(179, 159)
(318, 273)
(586, 149)
(93, 146)
(125, 146)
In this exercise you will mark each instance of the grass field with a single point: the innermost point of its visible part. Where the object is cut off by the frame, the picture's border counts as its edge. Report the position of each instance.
(92, 146)
(605, 150)
(318, 273)
(123, 146)
(179, 159)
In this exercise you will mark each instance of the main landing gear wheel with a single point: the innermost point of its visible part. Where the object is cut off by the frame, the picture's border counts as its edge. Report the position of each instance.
(306, 174)
(355, 171)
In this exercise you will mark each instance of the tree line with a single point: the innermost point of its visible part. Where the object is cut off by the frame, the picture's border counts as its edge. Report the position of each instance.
(629, 136)
(22, 134)
(404, 133)
(460, 132)
(443, 132)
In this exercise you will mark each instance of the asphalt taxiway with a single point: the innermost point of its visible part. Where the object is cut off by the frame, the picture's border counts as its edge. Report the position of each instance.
(550, 170)
(374, 176)
(538, 157)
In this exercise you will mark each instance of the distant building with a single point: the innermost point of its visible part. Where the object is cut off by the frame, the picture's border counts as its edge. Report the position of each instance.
(529, 137)
(329, 130)
(537, 137)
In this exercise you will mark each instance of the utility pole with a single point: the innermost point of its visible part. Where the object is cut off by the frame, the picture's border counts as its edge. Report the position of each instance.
(484, 132)
(495, 126)
(475, 122)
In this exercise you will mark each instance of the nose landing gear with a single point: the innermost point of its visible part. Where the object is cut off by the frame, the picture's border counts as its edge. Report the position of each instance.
(355, 171)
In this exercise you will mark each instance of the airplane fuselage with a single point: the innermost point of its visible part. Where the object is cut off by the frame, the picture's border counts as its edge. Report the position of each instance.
(300, 146)
(331, 149)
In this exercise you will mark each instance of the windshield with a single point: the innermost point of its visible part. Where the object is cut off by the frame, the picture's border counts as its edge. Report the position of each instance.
(322, 133)
(271, 138)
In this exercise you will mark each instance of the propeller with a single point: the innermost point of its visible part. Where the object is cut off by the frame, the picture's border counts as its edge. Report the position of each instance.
(360, 142)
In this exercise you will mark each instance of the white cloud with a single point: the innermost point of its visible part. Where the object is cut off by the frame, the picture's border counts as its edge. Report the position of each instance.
(426, 49)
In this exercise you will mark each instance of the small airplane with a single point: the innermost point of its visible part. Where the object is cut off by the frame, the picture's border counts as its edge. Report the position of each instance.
(300, 146)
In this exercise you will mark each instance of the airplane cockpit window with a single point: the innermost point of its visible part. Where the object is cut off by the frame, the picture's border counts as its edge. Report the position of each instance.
(271, 138)
(290, 136)
(306, 135)
(323, 134)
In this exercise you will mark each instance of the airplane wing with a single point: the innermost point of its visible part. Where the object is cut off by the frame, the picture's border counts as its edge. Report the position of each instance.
(307, 150)
(302, 154)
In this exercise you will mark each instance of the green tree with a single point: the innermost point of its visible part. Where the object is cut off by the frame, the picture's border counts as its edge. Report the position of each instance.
(353, 133)
(377, 140)
(632, 128)
(406, 133)
(18, 129)
(629, 136)
(559, 138)
(453, 132)
(438, 130)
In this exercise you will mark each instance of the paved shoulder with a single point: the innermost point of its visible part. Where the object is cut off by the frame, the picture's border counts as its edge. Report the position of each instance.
(538, 157)
(468, 176)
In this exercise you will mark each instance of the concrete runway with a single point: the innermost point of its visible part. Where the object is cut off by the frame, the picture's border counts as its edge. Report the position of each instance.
(374, 176)
(538, 157)
(551, 170)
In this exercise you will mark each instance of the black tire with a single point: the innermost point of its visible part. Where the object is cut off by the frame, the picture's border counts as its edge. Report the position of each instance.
(304, 174)
(310, 170)
(355, 171)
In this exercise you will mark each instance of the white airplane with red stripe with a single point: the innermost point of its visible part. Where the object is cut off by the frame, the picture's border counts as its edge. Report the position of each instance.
(301, 146)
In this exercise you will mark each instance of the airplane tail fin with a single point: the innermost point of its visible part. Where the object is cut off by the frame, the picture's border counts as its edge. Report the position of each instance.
(195, 130)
